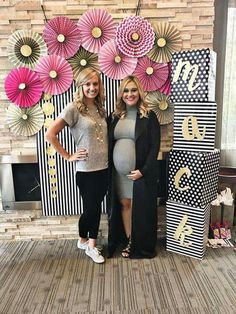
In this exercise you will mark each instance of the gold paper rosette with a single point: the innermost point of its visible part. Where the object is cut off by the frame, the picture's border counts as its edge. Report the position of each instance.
(26, 121)
(83, 59)
(162, 106)
(25, 48)
(167, 41)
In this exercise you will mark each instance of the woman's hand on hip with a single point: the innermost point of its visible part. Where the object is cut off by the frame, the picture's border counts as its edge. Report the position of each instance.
(135, 175)
(80, 155)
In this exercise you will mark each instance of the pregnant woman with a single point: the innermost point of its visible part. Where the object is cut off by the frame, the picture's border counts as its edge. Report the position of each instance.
(134, 141)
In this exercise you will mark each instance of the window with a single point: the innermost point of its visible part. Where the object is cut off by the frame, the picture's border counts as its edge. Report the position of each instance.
(228, 135)
(225, 46)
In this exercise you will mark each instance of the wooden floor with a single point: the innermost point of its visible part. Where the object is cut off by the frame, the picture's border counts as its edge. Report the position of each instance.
(48, 277)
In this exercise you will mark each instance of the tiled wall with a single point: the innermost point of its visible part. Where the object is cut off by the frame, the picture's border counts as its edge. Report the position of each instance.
(193, 18)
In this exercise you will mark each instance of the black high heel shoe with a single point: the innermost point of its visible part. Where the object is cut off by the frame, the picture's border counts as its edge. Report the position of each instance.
(126, 251)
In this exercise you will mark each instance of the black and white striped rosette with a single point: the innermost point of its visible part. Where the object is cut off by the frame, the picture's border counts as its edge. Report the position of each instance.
(193, 76)
(187, 229)
(194, 126)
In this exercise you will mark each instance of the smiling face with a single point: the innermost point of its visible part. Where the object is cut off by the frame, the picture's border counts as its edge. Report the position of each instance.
(130, 94)
(91, 88)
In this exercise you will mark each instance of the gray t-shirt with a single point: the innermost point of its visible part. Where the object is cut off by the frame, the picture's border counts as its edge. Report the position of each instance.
(84, 131)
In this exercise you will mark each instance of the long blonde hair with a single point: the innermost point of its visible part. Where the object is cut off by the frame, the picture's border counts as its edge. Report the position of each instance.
(121, 110)
(83, 77)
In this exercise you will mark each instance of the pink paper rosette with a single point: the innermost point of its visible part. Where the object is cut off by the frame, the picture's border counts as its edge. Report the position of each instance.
(135, 36)
(23, 87)
(166, 88)
(55, 74)
(152, 75)
(96, 27)
(62, 37)
(114, 63)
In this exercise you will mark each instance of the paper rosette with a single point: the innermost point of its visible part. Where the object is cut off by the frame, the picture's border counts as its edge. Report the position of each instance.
(25, 48)
(83, 59)
(135, 36)
(162, 106)
(26, 122)
(96, 27)
(23, 87)
(55, 74)
(152, 75)
(166, 88)
(167, 41)
(62, 36)
(114, 63)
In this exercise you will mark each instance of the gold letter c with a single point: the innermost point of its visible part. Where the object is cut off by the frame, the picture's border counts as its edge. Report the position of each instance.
(178, 176)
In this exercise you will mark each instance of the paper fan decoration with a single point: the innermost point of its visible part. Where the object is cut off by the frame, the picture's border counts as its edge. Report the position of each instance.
(114, 63)
(62, 36)
(152, 75)
(162, 106)
(26, 122)
(55, 74)
(135, 36)
(83, 59)
(25, 48)
(167, 41)
(166, 88)
(23, 87)
(96, 27)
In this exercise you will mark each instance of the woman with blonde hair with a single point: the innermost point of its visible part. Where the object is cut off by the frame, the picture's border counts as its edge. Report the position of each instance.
(134, 141)
(85, 117)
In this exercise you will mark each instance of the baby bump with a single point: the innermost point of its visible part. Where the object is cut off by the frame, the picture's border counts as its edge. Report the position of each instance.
(124, 155)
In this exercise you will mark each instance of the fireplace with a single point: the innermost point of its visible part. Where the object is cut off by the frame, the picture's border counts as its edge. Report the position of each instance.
(19, 183)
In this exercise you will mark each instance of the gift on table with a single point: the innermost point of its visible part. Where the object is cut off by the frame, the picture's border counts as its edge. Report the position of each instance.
(222, 213)
(222, 208)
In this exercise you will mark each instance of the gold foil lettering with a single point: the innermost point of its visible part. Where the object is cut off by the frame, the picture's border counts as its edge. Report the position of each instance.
(178, 176)
(195, 130)
(182, 230)
(187, 69)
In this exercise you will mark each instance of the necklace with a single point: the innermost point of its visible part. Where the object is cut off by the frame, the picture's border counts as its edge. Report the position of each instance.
(98, 126)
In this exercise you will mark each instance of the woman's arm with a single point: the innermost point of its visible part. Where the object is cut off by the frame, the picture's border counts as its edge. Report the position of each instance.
(154, 146)
(51, 136)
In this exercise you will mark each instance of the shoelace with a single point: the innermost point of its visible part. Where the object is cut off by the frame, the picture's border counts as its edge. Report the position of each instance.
(97, 251)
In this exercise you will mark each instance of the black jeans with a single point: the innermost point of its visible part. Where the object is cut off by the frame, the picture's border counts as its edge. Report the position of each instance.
(93, 187)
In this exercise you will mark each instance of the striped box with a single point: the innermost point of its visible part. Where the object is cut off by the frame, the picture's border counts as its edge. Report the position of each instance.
(193, 76)
(194, 126)
(193, 177)
(187, 229)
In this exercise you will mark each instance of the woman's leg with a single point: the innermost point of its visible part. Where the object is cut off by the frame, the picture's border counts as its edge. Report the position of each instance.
(126, 212)
(100, 181)
(93, 186)
(126, 209)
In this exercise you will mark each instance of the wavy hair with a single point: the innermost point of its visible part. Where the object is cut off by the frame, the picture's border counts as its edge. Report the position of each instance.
(121, 110)
(84, 76)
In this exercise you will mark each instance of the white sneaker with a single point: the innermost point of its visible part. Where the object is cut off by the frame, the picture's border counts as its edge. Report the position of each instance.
(95, 254)
(82, 246)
